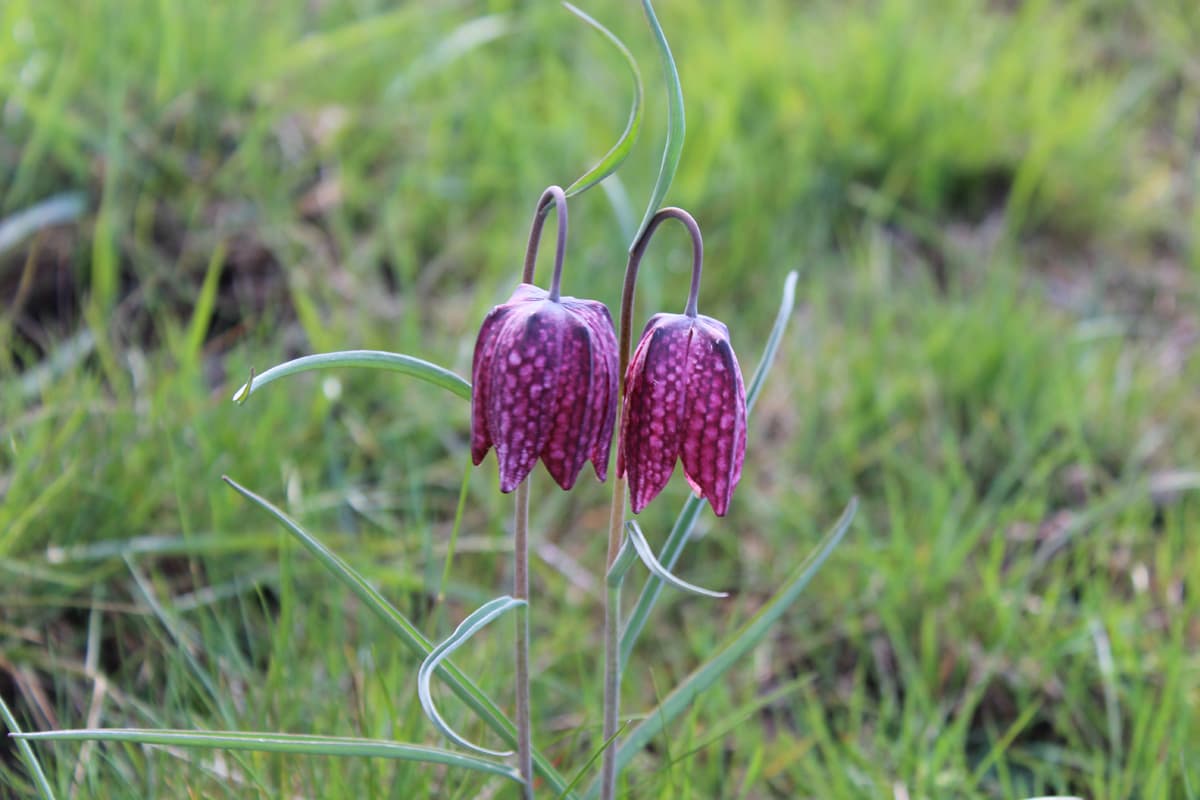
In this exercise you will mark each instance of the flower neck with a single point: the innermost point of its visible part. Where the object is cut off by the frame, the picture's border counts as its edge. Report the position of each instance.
(631, 271)
(552, 194)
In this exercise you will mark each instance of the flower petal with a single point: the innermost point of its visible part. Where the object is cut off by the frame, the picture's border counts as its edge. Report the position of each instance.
(485, 349)
(714, 426)
(521, 389)
(566, 446)
(602, 397)
(655, 393)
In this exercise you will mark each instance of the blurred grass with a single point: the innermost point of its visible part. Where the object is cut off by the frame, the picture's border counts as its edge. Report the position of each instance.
(994, 210)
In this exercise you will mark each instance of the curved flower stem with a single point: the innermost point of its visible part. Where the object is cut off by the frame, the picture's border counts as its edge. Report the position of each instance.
(521, 592)
(635, 260)
(616, 525)
(552, 194)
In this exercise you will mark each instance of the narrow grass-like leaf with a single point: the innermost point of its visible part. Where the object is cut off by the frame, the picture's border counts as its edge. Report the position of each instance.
(732, 650)
(782, 317)
(373, 359)
(452, 545)
(613, 158)
(206, 301)
(459, 683)
(647, 555)
(27, 755)
(681, 531)
(587, 765)
(320, 46)
(1001, 745)
(676, 124)
(465, 630)
(293, 743)
(459, 42)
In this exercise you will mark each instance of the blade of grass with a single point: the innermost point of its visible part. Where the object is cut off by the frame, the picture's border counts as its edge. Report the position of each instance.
(459, 510)
(459, 683)
(607, 743)
(681, 531)
(205, 302)
(676, 123)
(619, 151)
(459, 42)
(27, 755)
(293, 743)
(465, 630)
(1001, 745)
(317, 47)
(372, 359)
(740, 643)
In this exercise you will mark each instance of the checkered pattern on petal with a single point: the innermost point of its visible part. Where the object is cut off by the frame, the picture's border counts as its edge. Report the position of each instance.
(544, 387)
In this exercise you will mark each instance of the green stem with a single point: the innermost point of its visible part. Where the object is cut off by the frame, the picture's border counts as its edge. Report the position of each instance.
(521, 592)
(612, 643)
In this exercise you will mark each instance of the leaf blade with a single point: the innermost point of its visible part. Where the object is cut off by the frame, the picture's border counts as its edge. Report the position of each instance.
(647, 555)
(372, 359)
(27, 755)
(676, 123)
(56, 210)
(293, 743)
(609, 162)
(476, 621)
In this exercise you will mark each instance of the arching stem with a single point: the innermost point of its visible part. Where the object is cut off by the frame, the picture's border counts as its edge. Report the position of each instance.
(552, 194)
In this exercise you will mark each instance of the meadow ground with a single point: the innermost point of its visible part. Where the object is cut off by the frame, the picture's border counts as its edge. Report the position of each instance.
(994, 209)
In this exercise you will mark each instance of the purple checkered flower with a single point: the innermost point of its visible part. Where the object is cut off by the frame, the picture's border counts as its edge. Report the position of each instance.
(684, 398)
(544, 386)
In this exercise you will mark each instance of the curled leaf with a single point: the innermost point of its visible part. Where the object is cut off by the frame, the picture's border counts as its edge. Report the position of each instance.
(647, 555)
(465, 630)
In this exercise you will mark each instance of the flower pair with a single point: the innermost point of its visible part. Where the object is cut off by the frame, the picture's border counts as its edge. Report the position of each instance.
(545, 385)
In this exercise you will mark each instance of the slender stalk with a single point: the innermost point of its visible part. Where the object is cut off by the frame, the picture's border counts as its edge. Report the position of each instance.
(635, 260)
(521, 592)
(612, 642)
(552, 194)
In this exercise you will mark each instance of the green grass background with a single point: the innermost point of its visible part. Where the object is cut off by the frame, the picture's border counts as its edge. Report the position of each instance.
(993, 209)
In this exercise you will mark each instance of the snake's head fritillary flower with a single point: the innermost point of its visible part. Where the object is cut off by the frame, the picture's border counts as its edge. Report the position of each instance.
(684, 398)
(544, 386)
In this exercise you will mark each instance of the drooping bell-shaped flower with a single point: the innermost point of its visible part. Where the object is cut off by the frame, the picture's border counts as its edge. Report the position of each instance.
(684, 399)
(544, 382)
